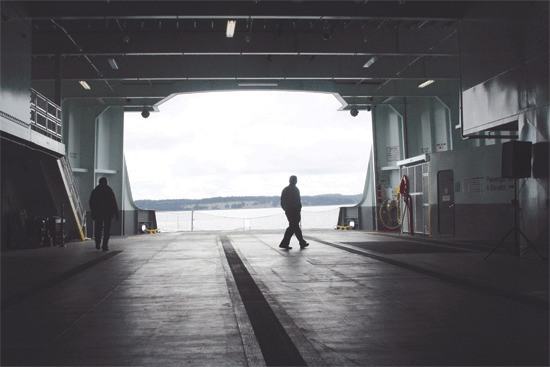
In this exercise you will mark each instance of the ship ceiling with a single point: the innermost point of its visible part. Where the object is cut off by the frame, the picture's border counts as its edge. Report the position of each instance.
(162, 48)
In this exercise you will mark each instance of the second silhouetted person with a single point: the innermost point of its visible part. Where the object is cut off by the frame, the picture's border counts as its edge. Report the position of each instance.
(104, 207)
(292, 205)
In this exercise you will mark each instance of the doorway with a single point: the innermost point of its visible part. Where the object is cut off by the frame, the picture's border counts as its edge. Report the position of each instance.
(446, 202)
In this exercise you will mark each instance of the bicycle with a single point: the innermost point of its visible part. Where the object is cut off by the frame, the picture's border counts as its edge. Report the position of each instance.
(390, 212)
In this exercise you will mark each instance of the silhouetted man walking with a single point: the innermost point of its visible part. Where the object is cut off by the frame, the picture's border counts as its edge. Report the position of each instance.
(292, 205)
(104, 208)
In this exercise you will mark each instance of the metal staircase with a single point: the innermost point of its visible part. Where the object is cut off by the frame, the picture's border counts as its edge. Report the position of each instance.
(77, 208)
(46, 119)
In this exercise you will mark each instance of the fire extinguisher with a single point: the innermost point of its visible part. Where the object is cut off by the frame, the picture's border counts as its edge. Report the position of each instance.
(404, 191)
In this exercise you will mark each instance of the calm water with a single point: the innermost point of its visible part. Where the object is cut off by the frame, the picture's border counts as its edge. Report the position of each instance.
(313, 217)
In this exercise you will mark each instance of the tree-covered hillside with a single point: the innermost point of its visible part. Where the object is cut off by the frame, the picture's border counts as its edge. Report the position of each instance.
(240, 202)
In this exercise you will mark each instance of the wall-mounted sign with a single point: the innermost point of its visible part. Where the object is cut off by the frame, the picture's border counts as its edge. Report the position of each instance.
(486, 184)
(393, 154)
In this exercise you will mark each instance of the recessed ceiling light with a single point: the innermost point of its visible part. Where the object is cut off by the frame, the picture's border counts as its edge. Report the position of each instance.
(230, 31)
(258, 84)
(113, 63)
(85, 85)
(426, 83)
(370, 61)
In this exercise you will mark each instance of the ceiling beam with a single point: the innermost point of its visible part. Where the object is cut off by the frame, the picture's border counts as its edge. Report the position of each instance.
(250, 8)
(391, 42)
(248, 67)
(151, 91)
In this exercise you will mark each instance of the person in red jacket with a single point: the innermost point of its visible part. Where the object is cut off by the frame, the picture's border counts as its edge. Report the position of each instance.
(104, 207)
(292, 205)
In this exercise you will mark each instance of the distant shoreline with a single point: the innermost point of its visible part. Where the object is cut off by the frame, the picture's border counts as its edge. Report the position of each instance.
(243, 202)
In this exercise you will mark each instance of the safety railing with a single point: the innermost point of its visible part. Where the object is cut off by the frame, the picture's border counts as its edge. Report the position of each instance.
(45, 116)
(244, 219)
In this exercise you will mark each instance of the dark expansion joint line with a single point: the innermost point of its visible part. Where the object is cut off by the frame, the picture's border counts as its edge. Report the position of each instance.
(276, 346)
(34, 290)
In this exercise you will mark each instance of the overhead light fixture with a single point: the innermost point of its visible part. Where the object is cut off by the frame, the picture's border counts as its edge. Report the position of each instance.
(354, 112)
(113, 63)
(230, 31)
(145, 114)
(371, 61)
(85, 85)
(426, 83)
(258, 84)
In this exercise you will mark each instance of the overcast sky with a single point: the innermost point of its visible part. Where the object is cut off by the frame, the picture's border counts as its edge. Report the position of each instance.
(246, 143)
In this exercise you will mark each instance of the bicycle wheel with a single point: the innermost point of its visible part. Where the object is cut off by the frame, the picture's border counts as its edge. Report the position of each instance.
(389, 214)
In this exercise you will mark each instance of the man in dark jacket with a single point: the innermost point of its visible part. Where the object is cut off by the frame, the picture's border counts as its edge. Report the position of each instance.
(292, 205)
(104, 208)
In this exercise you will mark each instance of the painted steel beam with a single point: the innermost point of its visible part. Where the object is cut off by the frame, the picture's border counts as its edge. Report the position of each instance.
(303, 9)
(404, 41)
(131, 92)
(248, 67)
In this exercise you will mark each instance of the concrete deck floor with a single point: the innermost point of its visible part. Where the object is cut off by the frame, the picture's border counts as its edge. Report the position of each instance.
(236, 299)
